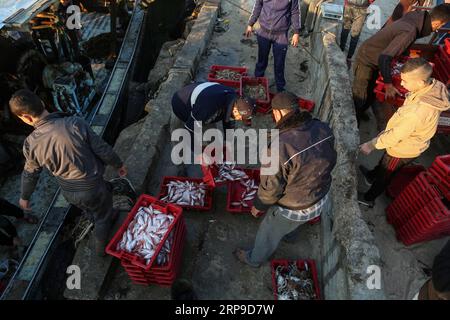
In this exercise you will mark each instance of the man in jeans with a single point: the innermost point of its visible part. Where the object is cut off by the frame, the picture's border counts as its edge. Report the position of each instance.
(74, 154)
(299, 191)
(409, 131)
(275, 18)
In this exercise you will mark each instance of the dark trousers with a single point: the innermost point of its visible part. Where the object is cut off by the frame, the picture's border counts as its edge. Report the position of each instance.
(383, 173)
(364, 82)
(8, 209)
(279, 45)
(97, 203)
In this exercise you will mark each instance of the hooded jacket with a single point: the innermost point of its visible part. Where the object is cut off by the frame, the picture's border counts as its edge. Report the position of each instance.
(276, 16)
(409, 131)
(306, 159)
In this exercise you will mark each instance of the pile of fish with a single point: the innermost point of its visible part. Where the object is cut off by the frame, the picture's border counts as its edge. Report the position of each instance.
(228, 172)
(248, 194)
(186, 193)
(228, 74)
(145, 233)
(293, 284)
(397, 67)
(256, 92)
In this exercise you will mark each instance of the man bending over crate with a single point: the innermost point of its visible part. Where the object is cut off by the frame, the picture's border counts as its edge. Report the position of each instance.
(409, 131)
(74, 154)
(377, 52)
(298, 192)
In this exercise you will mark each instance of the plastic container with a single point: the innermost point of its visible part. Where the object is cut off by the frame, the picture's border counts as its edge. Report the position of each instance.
(208, 196)
(307, 105)
(402, 179)
(444, 123)
(143, 201)
(235, 189)
(263, 104)
(301, 266)
(231, 83)
(210, 172)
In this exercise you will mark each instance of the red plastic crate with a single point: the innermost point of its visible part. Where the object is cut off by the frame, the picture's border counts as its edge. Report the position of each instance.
(402, 179)
(301, 266)
(235, 189)
(307, 105)
(143, 201)
(263, 104)
(208, 196)
(234, 84)
(443, 163)
(211, 171)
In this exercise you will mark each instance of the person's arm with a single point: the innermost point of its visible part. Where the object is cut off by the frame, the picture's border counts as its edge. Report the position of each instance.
(271, 189)
(256, 11)
(30, 174)
(102, 149)
(390, 138)
(295, 16)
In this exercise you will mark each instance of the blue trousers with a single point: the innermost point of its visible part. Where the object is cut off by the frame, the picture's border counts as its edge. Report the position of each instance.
(279, 45)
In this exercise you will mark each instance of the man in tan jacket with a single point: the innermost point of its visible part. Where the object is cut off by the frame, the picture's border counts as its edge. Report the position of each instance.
(409, 131)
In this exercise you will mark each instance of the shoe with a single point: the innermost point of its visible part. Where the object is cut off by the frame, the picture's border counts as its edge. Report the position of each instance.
(366, 174)
(363, 201)
(242, 256)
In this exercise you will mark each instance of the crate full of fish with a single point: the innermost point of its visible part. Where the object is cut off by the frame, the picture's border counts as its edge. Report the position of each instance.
(242, 193)
(188, 193)
(219, 174)
(258, 89)
(164, 274)
(145, 237)
(295, 280)
(227, 75)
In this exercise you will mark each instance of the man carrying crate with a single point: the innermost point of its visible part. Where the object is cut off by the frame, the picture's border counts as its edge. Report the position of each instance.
(409, 131)
(298, 192)
(74, 154)
(377, 52)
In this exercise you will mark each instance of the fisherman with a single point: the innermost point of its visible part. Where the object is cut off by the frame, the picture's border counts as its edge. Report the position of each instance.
(74, 154)
(438, 287)
(355, 14)
(210, 102)
(376, 53)
(299, 191)
(8, 233)
(275, 18)
(409, 131)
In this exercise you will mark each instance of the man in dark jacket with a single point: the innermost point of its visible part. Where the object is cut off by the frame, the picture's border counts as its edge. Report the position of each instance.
(298, 192)
(74, 154)
(275, 18)
(211, 102)
(377, 52)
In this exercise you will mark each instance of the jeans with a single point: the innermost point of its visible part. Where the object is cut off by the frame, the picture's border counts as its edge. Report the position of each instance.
(279, 45)
(98, 204)
(363, 86)
(272, 230)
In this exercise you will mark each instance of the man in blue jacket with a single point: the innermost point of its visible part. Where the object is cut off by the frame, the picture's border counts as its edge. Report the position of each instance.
(275, 18)
(299, 191)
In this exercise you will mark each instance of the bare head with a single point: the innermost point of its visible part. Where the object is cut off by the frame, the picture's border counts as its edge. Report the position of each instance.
(26, 105)
(440, 15)
(416, 74)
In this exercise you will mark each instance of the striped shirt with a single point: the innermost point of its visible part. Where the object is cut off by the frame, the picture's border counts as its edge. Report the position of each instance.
(305, 214)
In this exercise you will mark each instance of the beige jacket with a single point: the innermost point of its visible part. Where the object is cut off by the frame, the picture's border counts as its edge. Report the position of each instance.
(409, 131)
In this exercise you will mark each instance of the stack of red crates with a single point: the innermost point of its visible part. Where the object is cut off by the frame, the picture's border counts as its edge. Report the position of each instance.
(421, 211)
(135, 266)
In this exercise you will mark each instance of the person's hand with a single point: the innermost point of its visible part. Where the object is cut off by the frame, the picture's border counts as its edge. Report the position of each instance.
(256, 213)
(295, 39)
(391, 91)
(249, 31)
(123, 171)
(367, 148)
(24, 205)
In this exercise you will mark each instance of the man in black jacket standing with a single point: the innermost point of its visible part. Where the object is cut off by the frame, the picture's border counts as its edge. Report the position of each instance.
(74, 154)
(298, 192)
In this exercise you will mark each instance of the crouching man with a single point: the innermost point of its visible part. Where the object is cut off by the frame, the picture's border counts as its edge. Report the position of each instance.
(74, 154)
(298, 192)
(409, 131)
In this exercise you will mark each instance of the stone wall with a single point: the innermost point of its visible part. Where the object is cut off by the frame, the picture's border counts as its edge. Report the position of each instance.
(348, 246)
